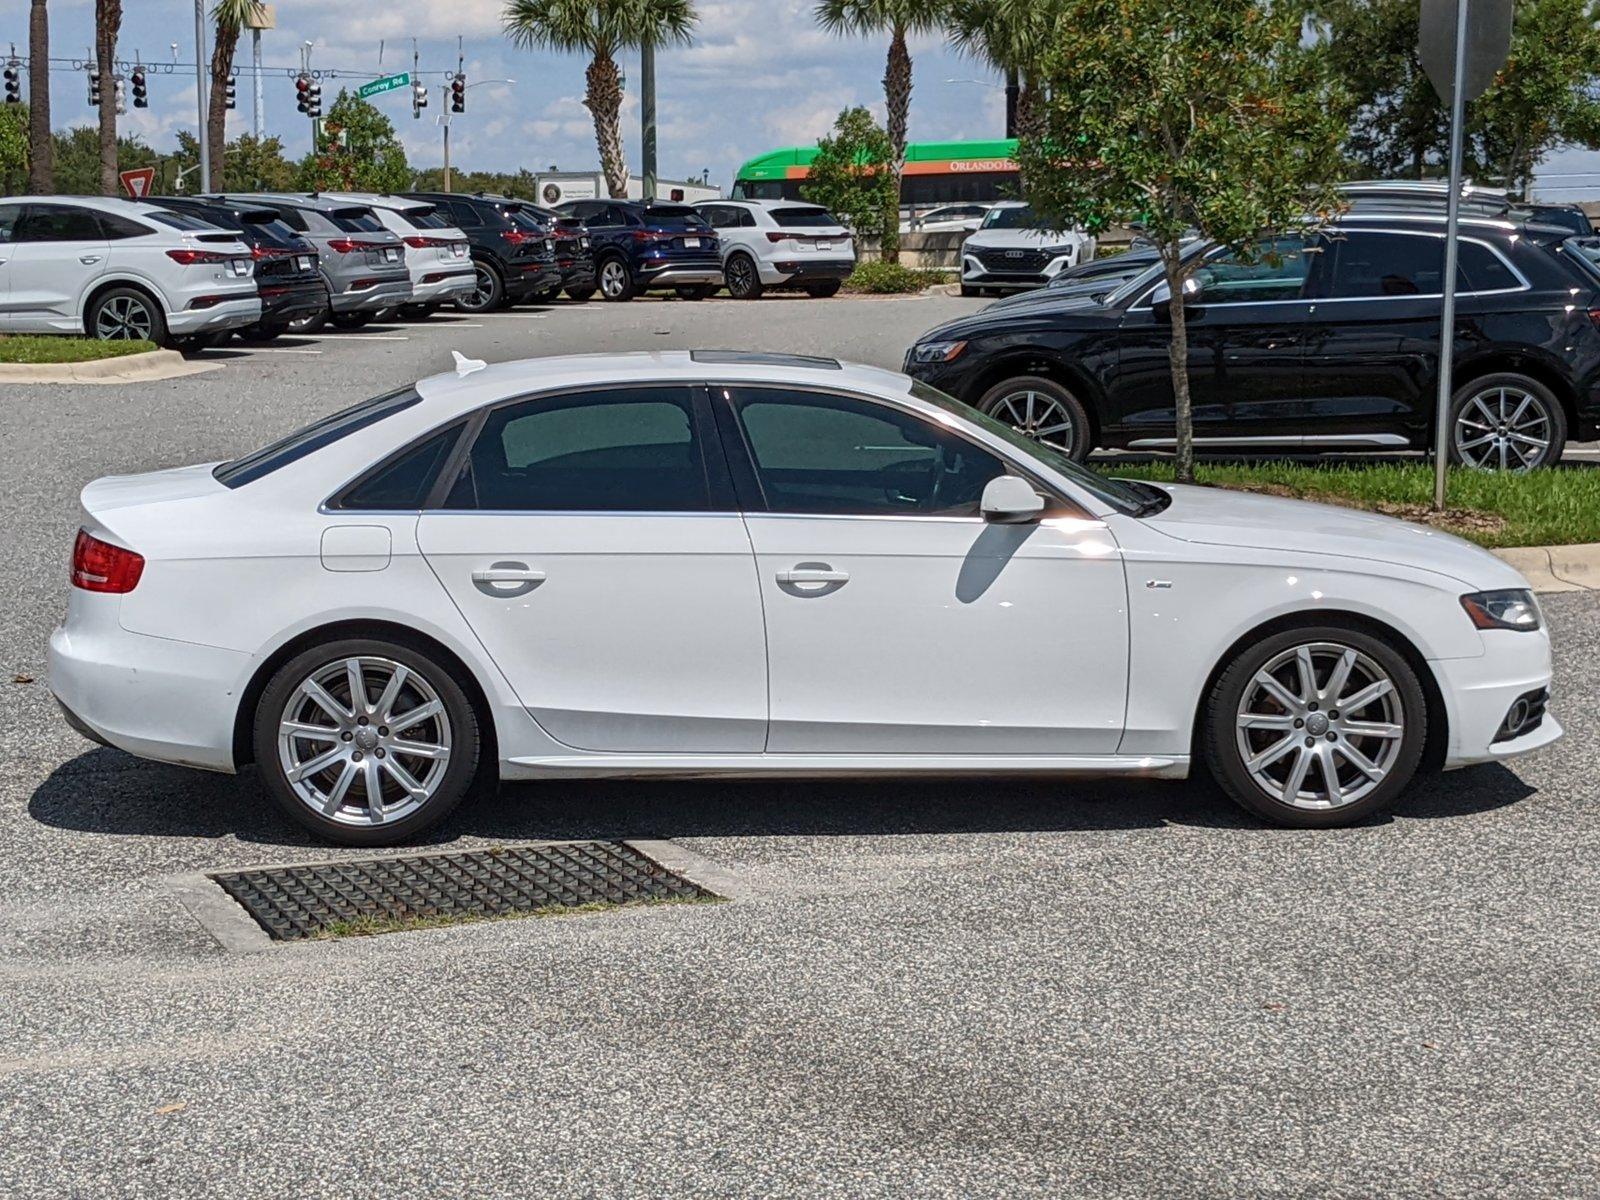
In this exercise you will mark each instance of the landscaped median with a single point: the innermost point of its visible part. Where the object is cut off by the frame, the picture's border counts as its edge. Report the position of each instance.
(53, 348)
(60, 358)
(1545, 523)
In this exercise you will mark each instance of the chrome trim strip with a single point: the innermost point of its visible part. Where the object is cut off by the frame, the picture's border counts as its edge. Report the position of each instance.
(1310, 439)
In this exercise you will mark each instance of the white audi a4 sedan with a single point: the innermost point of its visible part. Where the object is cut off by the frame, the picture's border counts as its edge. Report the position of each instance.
(717, 563)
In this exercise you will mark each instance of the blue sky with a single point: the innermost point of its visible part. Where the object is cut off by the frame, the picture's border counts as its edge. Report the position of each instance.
(760, 75)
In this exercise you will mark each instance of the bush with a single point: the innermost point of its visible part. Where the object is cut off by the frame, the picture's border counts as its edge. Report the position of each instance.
(884, 278)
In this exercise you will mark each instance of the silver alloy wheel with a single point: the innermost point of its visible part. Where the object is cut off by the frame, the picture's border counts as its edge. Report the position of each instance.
(123, 318)
(1320, 726)
(1037, 415)
(1504, 429)
(613, 277)
(364, 741)
(482, 291)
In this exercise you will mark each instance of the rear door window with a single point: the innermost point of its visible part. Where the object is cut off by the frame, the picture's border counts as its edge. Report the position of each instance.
(1368, 264)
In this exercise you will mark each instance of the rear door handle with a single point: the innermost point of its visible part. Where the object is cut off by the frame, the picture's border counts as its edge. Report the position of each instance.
(88, 260)
(813, 575)
(507, 579)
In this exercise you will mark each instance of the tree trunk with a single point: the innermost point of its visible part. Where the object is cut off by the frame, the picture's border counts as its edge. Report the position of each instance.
(1178, 362)
(41, 147)
(226, 42)
(1028, 122)
(604, 102)
(107, 24)
(897, 104)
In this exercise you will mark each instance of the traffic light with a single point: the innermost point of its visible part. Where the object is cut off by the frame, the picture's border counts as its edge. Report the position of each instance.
(231, 92)
(141, 94)
(119, 90)
(308, 95)
(458, 93)
(94, 88)
(419, 98)
(13, 83)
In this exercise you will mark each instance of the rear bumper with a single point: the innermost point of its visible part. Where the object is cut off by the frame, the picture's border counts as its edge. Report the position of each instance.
(807, 271)
(282, 303)
(650, 275)
(354, 296)
(226, 314)
(526, 279)
(442, 284)
(576, 274)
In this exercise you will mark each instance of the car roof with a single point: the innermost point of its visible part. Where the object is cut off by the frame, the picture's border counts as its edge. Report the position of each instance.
(379, 200)
(321, 202)
(114, 204)
(752, 203)
(998, 204)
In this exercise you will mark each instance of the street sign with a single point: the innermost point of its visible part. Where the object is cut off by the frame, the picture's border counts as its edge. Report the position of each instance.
(1488, 42)
(388, 83)
(138, 182)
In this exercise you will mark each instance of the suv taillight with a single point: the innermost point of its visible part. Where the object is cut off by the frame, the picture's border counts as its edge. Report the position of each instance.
(346, 245)
(260, 252)
(189, 257)
(417, 242)
(101, 567)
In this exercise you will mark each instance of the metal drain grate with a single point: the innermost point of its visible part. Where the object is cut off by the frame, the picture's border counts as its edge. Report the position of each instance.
(377, 895)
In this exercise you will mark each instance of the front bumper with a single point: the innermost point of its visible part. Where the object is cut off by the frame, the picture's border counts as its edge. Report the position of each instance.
(975, 273)
(234, 313)
(358, 295)
(1478, 693)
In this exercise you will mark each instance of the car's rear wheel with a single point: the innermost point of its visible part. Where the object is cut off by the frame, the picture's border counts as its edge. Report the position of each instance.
(127, 314)
(696, 291)
(1316, 726)
(488, 292)
(416, 312)
(821, 291)
(616, 281)
(1506, 422)
(548, 295)
(1043, 410)
(350, 320)
(742, 277)
(311, 322)
(579, 295)
(366, 742)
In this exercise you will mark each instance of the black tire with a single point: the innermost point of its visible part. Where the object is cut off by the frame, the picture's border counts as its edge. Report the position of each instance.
(616, 279)
(1006, 401)
(697, 291)
(743, 277)
(969, 291)
(312, 322)
(825, 289)
(265, 333)
(548, 296)
(350, 320)
(416, 312)
(456, 778)
(1475, 406)
(489, 295)
(579, 295)
(1222, 734)
(194, 343)
(127, 314)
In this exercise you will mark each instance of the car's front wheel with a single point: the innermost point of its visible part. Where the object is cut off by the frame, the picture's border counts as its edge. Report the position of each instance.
(1316, 726)
(1043, 410)
(366, 742)
(1506, 422)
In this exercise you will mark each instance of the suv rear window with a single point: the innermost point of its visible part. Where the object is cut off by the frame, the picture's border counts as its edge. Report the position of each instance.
(356, 220)
(425, 218)
(182, 220)
(799, 218)
(313, 438)
(674, 216)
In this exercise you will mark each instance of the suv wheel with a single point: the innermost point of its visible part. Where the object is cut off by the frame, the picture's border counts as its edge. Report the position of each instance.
(1316, 727)
(697, 291)
(579, 295)
(616, 281)
(1506, 422)
(127, 314)
(744, 280)
(350, 320)
(489, 292)
(821, 291)
(366, 742)
(1043, 410)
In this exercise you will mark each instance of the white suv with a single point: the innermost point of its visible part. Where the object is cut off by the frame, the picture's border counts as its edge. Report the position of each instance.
(120, 269)
(1011, 251)
(779, 243)
(438, 255)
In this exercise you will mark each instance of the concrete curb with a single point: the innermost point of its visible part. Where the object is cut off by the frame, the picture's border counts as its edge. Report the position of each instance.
(1557, 568)
(131, 368)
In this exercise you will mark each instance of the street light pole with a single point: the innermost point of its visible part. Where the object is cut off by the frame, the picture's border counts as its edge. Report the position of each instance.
(1447, 315)
(200, 91)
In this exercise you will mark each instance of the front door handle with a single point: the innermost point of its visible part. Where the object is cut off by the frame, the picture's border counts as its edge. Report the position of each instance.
(88, 260)
(813, 575)
(507, 579)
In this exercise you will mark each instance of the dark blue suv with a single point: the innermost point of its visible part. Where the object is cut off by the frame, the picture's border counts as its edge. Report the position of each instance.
(644, 246)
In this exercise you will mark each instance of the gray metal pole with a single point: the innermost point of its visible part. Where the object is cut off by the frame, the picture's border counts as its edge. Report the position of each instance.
(647, 117)
(200, 91)
(1447, 314)
(261, 112)
(447, 156)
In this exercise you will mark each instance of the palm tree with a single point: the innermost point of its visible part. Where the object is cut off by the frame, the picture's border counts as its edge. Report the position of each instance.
(1009, 35)
(107, 24)
(601, 29)
(898, 18)
(230, 17)
(41, 147)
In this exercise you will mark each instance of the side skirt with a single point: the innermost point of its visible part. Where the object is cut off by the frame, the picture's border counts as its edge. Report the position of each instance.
(746, 766)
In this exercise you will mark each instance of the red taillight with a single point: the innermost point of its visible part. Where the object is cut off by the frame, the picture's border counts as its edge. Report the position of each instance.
(651, 235)
(101, 567)
(189, 257)
(517, 236)
(260, 252)
(346, 245)
(780, 237)
(1594, 317)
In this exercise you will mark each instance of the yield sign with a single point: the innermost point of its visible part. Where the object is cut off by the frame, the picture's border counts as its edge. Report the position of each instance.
(138, 182)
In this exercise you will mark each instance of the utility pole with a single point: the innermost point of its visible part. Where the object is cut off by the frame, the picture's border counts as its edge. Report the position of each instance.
(262, 16)
(200, 90)
(647, 116)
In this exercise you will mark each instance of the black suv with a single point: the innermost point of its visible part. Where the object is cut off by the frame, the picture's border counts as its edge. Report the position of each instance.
(574, 253)
(513, 253)
(286, 263)
(1321, 341)
(643, 245)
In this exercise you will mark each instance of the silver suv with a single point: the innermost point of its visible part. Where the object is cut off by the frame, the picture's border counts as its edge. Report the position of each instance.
(363, 264)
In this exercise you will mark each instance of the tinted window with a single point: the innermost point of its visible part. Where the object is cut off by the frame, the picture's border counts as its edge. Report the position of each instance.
(465, 214)
(404, 482)
(802, 217)
(426, 218)
(294, 219)
(114, 227)
(1480, 269)
(1386, 264)
(202, 221)
(630, 450)
(356, 220)
(817, 453)
(673, 216)
(9, 213)
(313, 437)
(58, 223)
(269, 227)
(1274, 270)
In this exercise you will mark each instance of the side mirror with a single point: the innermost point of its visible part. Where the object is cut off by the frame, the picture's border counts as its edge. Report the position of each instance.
(1008, 500)
(1161, 298)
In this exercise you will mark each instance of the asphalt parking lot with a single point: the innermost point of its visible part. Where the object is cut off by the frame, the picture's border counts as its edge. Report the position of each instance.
(926, 988)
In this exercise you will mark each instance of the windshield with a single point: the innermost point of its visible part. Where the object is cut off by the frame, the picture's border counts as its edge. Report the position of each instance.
(1020, 217)
(1119, 494)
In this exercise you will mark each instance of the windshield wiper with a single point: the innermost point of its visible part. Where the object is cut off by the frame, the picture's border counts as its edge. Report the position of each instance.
(1155, 499)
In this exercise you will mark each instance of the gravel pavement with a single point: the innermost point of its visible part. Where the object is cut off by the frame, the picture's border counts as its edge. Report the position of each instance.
(932, 988)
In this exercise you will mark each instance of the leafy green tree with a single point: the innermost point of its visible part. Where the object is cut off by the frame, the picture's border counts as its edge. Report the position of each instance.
(228, 17)
(13, 149)
(1544, 96)
(359, 151)
(851, 177)
(601, 29)
(519, 184)
(897, 18)
(78, 162)
(1209, 116)
(1008, 35)
(243, 165)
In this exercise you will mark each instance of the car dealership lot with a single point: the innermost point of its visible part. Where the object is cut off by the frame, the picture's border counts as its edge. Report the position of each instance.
(931, 987)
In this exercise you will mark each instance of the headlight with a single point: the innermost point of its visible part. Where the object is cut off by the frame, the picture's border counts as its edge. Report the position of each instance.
(1059, 251)
(1513, 608)
(936, 352)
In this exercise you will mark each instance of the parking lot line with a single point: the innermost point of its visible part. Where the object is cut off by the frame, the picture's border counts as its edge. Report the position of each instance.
(283, 350)
(374, 337)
